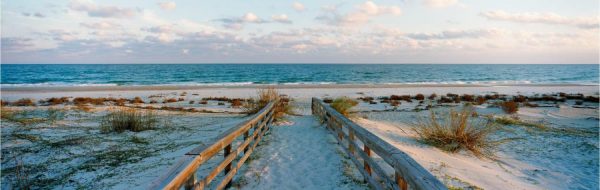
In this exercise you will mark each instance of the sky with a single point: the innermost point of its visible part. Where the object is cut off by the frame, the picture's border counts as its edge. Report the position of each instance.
(278, 31)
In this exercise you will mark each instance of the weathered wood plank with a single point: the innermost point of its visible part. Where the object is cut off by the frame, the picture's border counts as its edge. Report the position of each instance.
(179, 174)
(414, 174)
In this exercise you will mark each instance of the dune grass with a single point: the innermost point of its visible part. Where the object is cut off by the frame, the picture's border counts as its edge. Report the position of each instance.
(458, 131)
(264, 97)
(343, 105)
(509, 107)
(129, 119)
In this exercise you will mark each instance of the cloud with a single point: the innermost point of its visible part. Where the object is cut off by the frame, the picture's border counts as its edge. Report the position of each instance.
(543, 18)
(16, 44)
(104, 25)
(298, 6)
(168, 6)
(37, 14)
(456, 34)
(239, 22)
(94, 10)
(439, 3)
(282, 18)
(361, 15)
(62, 35)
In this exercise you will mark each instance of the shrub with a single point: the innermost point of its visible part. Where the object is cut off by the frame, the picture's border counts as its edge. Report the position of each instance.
(128, 119)
(180, 99)
(57, 101)
(459, 131)
(480, 100)
(236, 103)
(203, 102)
(265, 96)
(510, 107)
(432, 96)
(137, 100)
(24, 102)
(468, 97)
(343, 105)
(170, 100)
(419, 97)
(191, 102)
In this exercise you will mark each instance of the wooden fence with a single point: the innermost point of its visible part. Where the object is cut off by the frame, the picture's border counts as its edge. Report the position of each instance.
(183, 172)
(407, 172)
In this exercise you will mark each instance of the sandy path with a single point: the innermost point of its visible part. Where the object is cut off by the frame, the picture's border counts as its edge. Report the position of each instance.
(300, 155)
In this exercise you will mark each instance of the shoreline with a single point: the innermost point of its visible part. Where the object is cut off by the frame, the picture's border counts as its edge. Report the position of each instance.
(254, 86)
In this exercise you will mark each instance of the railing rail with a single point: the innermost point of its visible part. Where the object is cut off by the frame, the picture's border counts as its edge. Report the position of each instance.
(407, 172)
(183, 172)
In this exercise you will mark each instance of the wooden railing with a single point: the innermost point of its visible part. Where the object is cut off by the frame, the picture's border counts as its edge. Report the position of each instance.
(407, 173)
(183, 172)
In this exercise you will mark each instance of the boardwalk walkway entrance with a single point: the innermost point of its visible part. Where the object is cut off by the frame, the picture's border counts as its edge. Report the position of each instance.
(302, 155)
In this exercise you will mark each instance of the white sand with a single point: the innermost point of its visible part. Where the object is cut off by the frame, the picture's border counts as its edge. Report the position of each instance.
(546, 161)
(298, 155)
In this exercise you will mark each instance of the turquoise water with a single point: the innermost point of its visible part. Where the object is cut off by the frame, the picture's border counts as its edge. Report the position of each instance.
(244, 74)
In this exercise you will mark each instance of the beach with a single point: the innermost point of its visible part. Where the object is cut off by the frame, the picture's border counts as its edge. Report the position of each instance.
(520, 164)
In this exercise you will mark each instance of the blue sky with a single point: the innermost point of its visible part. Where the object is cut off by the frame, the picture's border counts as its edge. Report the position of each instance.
(275, 31)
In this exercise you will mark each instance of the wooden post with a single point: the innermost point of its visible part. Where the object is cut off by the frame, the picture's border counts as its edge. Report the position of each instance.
(368, 152)
(339, 126)
(351, 139)
(226, 153)
(189, 184)
(401, 182)
(246, 134)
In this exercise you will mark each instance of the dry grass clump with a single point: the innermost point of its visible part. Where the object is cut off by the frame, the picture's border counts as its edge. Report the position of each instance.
(265, 96)
(170, 100)
(432, 96)
(510, 107)
(24, 102)
(459, 131)
(236, 103)
(419, 97)
(95, 101)
(137, 100)
(129, 119)
(343, 105)
(57, 101)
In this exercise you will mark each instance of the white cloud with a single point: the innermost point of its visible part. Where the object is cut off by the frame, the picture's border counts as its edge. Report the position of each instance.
(94, 10)
(168, 6)
(543, 18)
(103, 25)
(282, 18)
(457, 34)
(185, 51)
(298, 6)
(439, 3)
(251, 17)
(361, 15)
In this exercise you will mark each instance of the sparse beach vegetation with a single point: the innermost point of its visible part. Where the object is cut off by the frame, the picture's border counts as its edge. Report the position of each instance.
(458, 131)
(129, 119)
(343, 105)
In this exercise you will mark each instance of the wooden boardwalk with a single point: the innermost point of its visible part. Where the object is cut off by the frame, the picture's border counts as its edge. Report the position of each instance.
(399, 171)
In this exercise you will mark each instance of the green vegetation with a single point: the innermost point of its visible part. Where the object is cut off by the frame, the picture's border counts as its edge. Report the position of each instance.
(128, 119)
(459, 131)
(265, 96)
(343, 105)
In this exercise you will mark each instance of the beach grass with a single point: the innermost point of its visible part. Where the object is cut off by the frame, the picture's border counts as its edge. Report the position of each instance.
(343, 105)
(129, 119)
(458, 131)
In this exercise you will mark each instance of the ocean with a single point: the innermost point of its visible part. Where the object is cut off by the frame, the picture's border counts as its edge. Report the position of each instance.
(290, 74)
